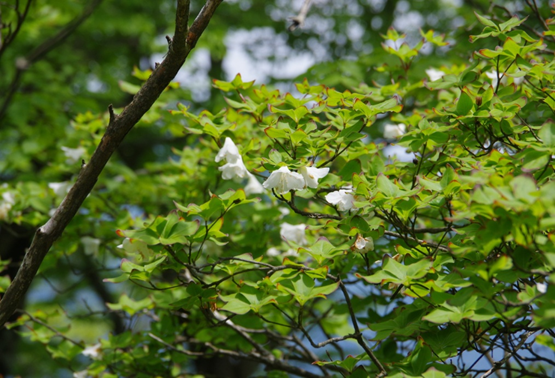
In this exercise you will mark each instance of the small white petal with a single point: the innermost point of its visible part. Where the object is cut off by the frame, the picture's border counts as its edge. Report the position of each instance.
(284, 211)
(294, 233)
(73, 154)
(518, 80)
(80, 374)
(90, 245)
(60, 188)
(393, 131)
(272, 252)
(8, 197)
(283, 180)
(542, 287)
(363, 244)
(4, 210)
(253, 186)
(434, 74)
(92, 351)
(493, 76)
(342, 198)
(312, 174)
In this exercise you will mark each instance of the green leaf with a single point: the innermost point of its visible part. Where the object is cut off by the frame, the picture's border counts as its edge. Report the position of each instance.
(386, 187)
(465, 104)
(486, 21)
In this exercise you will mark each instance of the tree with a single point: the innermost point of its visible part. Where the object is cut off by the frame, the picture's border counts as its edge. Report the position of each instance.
(277, 230)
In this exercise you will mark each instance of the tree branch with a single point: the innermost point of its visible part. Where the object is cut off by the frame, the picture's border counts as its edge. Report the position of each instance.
(23, 63)
(298, 20)
(12, 34)
(117, 129)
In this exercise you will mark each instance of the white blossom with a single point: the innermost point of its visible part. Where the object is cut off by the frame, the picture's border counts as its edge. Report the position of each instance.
(434, 74)
(542, 287)
(392, 131)
(493, 76)
(518, 80)
(80, 374)
(342, 198)
(273, 252)
(90, 245)
(6, 204)
(284, 211)
(293, 233)
(253, 186)
(283, 180)
(363, 244)
(504, 79)
(229, 151)
(8, 197)
(60, 188)
(92, 351)
(73, 154)
(312, 174)
(234, 167)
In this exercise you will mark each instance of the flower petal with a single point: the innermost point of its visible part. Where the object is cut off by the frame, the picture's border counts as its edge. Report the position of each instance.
(312, 174)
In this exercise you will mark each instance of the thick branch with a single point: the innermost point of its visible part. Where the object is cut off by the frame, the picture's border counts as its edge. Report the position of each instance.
(115, 133)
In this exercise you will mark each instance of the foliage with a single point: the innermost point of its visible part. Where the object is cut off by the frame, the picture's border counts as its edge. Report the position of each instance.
(423, 267)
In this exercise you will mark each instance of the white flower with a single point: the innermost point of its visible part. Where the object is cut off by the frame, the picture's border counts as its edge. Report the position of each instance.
(73, 154)
(234, 167)
(273, 252)
(342, 198)
(134, 246)
(312, 174)
(60, 188)
(92, 351)
(542, 287)
(4, 210)
(283, 180)
(90, 245)
(253, 186)
(80, 374)
(518, 80)
(8, 198)
(394, 131)
(228, 152)
(293, 233)
(284, 211)
(493, 76)
(363, 244)
(434, 74)
(6, 204)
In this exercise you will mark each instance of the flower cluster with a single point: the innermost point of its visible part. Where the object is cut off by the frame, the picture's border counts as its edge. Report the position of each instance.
(235, 168)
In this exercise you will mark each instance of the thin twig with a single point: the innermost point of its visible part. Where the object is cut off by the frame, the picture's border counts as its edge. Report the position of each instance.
(298, 20)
